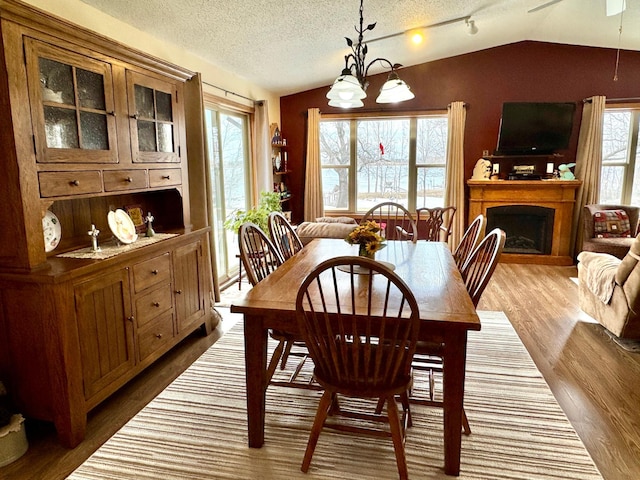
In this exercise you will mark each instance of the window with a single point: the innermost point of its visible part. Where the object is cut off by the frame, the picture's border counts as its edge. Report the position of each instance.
(368, 160)
(620, 174)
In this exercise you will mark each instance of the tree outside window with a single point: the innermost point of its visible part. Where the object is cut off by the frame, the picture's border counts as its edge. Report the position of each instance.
(366, 161)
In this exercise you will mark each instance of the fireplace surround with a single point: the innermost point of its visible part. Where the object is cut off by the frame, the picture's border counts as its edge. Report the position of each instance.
(536, 215)
(529, 228)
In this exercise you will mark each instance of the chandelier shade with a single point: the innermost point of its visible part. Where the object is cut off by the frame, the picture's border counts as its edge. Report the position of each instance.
(350, 87)
(353, 103)
(394, 90)
(346, 87)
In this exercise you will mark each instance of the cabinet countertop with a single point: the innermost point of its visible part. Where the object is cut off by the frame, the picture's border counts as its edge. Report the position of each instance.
(61, 269)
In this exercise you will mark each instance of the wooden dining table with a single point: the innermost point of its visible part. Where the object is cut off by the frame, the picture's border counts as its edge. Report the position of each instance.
(446, 311)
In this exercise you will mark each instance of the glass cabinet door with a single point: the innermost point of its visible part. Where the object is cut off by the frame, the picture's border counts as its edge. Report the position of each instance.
(72, 105)
(154, 126)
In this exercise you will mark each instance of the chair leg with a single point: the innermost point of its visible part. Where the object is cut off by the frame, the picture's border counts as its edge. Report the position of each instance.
(465, 423)
(380, 406)
(285, 355)
(335, 405)
(404, 399)
(397, 435)
(275, 358)
(318, 423)
(432, 384)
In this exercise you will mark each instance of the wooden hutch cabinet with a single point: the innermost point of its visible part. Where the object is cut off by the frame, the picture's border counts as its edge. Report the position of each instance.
(90, 126)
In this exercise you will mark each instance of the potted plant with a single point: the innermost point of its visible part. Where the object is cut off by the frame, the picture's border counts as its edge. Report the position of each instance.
(269, 202)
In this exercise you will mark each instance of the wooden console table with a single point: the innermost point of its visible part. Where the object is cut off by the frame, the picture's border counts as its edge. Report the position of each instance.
(559, 195)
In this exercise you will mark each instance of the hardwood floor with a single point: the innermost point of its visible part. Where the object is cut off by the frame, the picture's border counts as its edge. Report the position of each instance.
(594, 380)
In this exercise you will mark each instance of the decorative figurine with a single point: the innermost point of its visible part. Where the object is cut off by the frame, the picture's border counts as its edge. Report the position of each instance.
(149, 220)
(565, 173)
(93, 233)
(482, 170)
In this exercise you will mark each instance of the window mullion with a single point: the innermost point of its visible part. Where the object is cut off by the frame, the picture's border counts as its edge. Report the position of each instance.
(627, 187)
(413, 172)
(353, 162)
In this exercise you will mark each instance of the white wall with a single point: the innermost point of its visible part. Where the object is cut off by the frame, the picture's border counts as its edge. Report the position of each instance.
(84, 15)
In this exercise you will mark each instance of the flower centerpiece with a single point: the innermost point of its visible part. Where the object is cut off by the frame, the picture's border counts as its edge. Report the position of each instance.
(367, 237)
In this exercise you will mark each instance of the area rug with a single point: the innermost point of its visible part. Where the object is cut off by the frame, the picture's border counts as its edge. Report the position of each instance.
(196, 428)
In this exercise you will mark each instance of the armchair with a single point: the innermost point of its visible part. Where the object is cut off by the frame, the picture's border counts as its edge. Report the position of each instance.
(616, 246)
(609, 290)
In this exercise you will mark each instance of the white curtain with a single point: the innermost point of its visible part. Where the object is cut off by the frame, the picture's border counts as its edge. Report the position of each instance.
(263, 168)
(454, 183)
(313, 205)
(588, 163)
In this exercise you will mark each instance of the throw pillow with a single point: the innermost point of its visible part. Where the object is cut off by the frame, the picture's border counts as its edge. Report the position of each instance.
(611, 224)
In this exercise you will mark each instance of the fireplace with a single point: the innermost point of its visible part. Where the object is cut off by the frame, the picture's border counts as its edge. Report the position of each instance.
(535, 214)
(529, 228)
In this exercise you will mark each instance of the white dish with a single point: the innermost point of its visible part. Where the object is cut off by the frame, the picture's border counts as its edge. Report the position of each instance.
(52, 231)
(122, 226)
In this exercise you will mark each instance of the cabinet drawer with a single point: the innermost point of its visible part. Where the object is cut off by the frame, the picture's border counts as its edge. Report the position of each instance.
(155, 335)
(115, 180)
(164, 177)
(59, 184)
(152, 272)
(152, 304)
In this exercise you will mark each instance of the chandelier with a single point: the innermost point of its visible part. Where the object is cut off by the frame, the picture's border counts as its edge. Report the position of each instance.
(350, 87)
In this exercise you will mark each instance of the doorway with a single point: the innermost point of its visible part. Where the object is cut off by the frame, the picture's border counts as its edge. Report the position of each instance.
(228, 145)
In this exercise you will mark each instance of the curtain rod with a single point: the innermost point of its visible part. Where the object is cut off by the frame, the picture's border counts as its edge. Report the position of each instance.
(400, 111)
(628, 99)
(229, 92)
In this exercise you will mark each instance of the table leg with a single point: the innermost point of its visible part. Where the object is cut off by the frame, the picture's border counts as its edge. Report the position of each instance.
(453, 373)
(255, 354)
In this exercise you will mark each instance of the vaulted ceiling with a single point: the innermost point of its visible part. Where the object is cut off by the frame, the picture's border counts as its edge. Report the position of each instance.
(287, 46)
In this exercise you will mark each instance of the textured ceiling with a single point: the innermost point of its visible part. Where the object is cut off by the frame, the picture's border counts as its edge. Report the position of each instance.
(287, 46)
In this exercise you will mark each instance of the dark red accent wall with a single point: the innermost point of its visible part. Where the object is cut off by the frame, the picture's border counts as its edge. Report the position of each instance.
(522, 72)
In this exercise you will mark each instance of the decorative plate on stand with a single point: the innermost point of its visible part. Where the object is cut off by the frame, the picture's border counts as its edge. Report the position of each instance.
(52, 231)
(122, 226)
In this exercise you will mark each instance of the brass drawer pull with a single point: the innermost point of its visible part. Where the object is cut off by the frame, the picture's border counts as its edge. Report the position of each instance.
(166, 177)
(131, 318)
(158, 335)
(75, 182)
(156, 304)
(178, 292)
(129, 179)
(155, 272)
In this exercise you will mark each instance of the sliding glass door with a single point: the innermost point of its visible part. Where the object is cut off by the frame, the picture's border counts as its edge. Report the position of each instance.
(229, 171)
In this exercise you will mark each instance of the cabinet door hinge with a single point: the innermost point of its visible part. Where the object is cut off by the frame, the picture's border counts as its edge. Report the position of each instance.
(179, 152)
(35, 146)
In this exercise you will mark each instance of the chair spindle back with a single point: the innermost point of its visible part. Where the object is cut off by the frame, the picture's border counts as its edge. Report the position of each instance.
(258, 254)
(396, 221)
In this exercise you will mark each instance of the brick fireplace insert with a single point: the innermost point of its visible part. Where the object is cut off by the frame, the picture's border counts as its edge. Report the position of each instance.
(537, 216)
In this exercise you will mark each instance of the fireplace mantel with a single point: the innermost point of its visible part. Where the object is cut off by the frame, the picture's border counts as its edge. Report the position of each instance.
(559, 195)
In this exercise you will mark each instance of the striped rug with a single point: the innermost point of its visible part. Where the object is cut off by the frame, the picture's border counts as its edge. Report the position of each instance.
(196, 428)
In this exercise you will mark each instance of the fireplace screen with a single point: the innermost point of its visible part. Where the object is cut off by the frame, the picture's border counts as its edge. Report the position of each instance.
(529, 229)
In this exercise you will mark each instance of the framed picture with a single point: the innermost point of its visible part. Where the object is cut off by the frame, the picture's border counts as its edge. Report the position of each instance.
(137, 216)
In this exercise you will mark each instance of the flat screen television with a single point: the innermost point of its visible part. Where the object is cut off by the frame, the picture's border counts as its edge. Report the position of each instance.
(535, 128)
